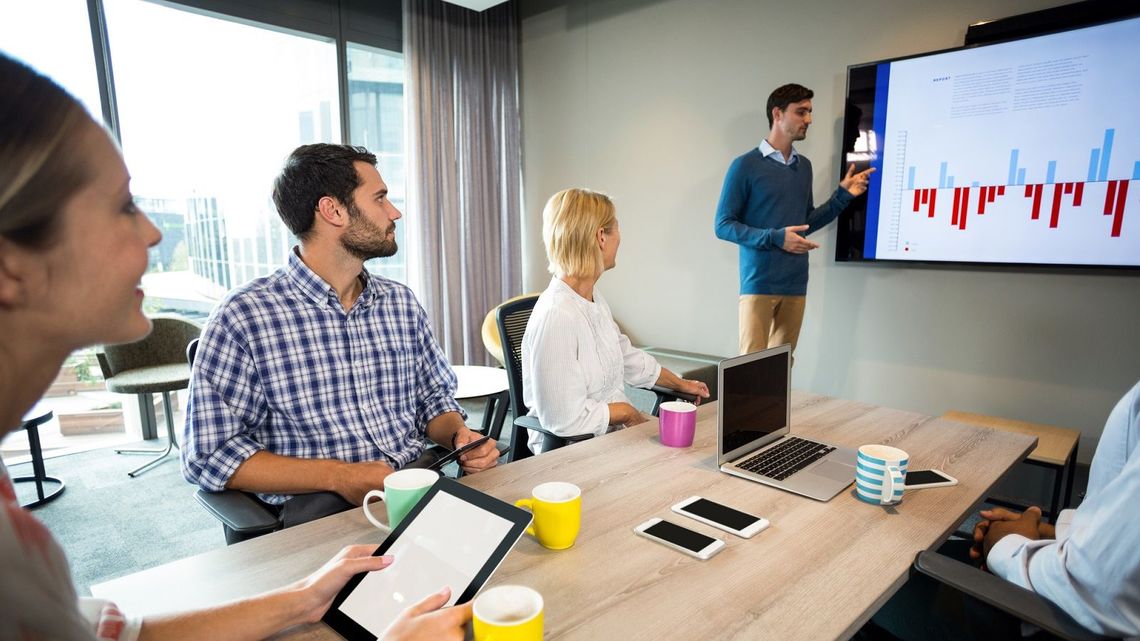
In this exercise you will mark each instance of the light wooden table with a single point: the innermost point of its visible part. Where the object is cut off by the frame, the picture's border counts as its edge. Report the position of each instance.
(819, 572)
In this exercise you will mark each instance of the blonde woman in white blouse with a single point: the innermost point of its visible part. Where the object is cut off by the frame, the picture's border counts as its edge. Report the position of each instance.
(574, 358)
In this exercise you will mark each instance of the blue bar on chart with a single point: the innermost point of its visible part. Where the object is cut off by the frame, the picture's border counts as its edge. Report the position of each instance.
(975, 184)
(949, 182)
(1106, 153)
(1094, 163)
(910, 178)
(1051, 172)
(1136, 170)
(1013, 166)
(1021, 176)
(942, 176)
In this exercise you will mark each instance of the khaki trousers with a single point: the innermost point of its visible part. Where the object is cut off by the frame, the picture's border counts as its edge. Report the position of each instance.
(768, 321)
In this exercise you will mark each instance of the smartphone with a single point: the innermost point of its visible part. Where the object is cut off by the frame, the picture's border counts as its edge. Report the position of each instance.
(455, 454)
(918, 479)
(721, 517)
(679, 538)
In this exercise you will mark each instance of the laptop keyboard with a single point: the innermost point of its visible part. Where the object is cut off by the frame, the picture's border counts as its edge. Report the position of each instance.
(787, 458)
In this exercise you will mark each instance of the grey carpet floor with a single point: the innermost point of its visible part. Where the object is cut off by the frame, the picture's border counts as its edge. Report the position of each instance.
(110, 524)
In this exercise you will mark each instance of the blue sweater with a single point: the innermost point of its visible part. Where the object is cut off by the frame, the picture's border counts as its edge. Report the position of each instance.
(762, 196)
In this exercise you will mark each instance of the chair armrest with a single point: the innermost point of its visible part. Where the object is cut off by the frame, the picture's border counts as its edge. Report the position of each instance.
(238, 511)
(531, 423)
(664, 393)
(1012, 599)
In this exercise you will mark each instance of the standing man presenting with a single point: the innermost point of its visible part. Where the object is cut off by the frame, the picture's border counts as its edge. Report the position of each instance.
(766, 207)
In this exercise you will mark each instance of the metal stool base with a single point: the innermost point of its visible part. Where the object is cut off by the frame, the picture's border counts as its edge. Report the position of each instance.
(39, 481)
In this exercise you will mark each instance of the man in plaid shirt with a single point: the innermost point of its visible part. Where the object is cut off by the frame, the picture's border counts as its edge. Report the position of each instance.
(314, 383)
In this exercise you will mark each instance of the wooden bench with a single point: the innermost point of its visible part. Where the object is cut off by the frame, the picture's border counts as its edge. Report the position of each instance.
(1056, 450)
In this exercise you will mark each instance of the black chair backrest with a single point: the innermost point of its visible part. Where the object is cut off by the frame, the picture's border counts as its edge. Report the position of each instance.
(512, 319)
(192, 351)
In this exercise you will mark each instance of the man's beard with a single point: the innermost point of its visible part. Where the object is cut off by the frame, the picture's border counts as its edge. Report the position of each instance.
(365, 239)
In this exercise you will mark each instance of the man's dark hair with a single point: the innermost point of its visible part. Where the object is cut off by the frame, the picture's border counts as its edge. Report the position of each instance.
(312, 172)
(786, 95)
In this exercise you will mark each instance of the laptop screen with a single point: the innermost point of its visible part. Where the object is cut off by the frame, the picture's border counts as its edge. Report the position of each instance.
(754, 399)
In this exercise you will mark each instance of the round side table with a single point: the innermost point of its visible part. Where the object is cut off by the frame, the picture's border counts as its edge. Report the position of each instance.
(476, 381)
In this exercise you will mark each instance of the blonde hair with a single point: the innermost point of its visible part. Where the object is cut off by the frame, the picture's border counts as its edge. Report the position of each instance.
(40, 167)
(570, 222)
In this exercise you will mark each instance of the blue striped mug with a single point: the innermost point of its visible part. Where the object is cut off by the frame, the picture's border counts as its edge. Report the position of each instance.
(880, 474)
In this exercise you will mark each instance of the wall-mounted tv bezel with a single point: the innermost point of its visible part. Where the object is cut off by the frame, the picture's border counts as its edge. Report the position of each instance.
(851, 232)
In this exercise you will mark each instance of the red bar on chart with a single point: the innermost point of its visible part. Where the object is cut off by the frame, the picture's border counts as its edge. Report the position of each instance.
(933, 194)
(1001, 190)
(1110, 197)
(1037, 202)
(965, 207)
(1029, 191)
(1068, 188)
(1121, 198)
(916, 196)
(994, 193)
(983, 198)
(957, 200)
(1078, 192)
(1056, 213)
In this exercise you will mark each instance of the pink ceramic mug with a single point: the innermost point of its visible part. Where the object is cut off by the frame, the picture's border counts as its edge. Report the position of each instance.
(678, 421)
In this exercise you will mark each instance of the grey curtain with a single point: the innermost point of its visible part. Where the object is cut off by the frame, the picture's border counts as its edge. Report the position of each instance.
(464, 165)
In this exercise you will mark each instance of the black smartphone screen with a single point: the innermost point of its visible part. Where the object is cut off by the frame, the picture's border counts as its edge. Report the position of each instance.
(455, 454)
(722, 514)
(678, 535)
(924, 477)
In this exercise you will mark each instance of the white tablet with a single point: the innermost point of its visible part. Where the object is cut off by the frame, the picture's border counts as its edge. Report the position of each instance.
(455, 536)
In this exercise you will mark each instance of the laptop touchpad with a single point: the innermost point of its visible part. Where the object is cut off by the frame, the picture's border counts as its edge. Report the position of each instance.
(833, 470)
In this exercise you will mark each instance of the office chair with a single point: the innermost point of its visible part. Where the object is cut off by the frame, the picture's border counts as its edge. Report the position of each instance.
(1012, 599)
(242, 514)
(151, 365)
(513, 316)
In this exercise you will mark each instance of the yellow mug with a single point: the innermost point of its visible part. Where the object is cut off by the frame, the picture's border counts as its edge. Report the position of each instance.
(508, 613)
(557, 509)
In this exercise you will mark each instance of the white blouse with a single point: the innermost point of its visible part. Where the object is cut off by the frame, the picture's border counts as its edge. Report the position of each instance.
(575, 361)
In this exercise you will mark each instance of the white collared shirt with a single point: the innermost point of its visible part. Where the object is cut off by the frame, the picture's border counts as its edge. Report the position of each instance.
(1092, 569)
(575, 362)
(768, 151)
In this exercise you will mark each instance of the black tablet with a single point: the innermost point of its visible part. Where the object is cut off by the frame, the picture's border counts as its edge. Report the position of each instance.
(455, 536)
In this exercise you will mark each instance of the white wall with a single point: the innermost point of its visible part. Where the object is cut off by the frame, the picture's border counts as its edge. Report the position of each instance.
(650, 101)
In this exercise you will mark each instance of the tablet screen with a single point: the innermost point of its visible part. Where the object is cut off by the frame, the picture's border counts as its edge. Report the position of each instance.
(447, 540)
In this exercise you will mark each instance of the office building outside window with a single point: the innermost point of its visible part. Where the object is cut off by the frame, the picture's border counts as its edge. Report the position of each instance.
(209, 108)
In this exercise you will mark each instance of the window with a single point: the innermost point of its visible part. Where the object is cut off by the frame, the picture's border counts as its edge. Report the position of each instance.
(209, 106)
(376, 121)
(209, 109)
(55, 39)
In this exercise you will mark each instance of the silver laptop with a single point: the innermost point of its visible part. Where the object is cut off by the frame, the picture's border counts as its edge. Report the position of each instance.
(753, 430)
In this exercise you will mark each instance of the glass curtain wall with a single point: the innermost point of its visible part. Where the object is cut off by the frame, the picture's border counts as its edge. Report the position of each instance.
(54, 38)
(208, 108)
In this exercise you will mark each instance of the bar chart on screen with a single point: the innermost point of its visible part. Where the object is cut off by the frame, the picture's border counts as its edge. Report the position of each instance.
(1028, 155)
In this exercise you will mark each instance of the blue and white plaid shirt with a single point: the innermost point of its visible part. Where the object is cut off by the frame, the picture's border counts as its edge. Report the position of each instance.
(282, 367)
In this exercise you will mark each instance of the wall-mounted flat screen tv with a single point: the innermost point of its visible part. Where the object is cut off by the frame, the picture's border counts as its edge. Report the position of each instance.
(1025, 152)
